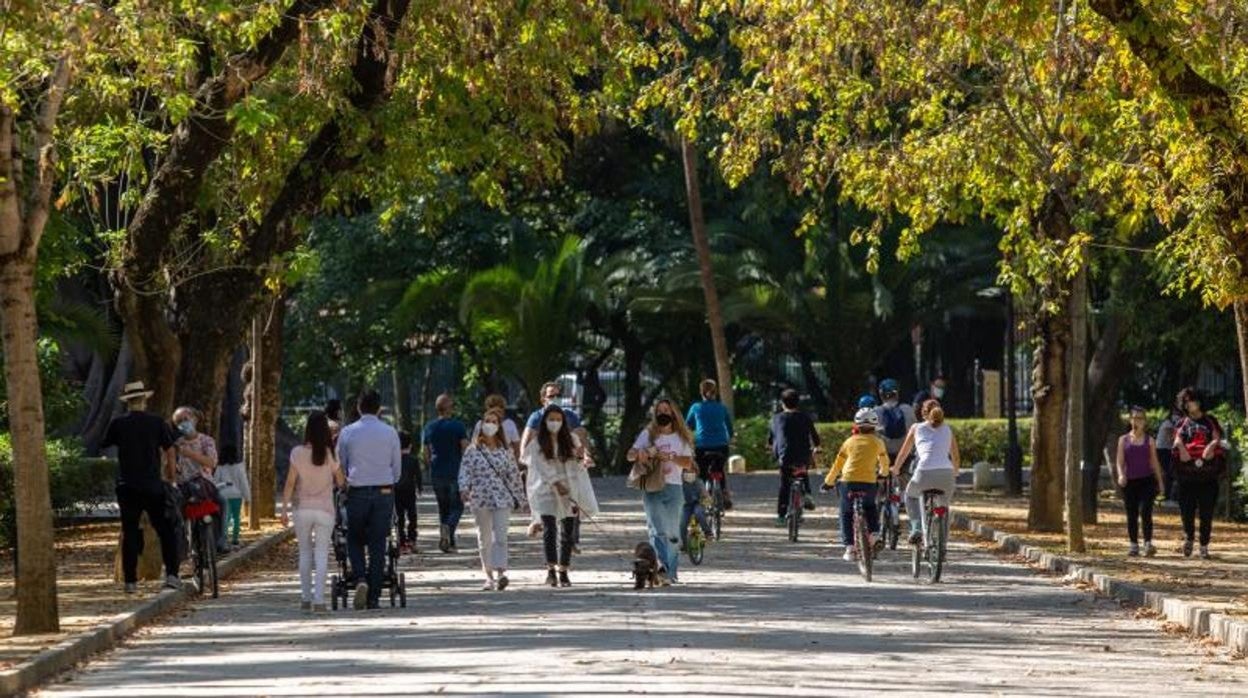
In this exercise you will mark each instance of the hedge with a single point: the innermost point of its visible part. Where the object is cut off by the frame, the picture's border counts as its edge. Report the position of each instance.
(76, 483)
(978, 439)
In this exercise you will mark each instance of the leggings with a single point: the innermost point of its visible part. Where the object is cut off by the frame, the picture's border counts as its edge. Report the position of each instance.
(1195, 495)
(1138, 496)
(234, 514)
(558, 540)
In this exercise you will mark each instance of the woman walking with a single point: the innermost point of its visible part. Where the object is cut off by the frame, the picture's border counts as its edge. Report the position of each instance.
(510, 434)
(1200, 461)
(559, 490)
(489, 481)
(313, 473)
(665, 443)
(1140, 477)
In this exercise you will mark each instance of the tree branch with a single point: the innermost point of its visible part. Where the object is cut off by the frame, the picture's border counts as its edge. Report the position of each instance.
(45, 150)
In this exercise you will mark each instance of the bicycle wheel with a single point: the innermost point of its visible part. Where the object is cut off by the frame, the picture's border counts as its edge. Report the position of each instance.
(695, 545)
(210, 559)
(936, 553)
(916, 559)
(717, 509)
(795, 513)
(333, 591)
(197, 553)
(862, 541)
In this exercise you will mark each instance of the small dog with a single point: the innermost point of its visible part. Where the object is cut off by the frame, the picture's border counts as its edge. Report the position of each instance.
(645, 567)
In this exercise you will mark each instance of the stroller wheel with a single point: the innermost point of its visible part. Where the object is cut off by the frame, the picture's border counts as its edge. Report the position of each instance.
(333, 591)
(402, 590)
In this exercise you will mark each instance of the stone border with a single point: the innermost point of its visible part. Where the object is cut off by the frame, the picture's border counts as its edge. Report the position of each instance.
(1197, 619)
(32, 672)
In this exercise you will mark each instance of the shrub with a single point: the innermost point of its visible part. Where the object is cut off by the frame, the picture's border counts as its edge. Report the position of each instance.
(978, 440)
(76, 483)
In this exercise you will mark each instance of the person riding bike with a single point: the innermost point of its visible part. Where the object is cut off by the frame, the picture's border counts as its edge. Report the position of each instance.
(895, 417)
(936, 464)
(861, 461)
(793, 441)
(712, 435)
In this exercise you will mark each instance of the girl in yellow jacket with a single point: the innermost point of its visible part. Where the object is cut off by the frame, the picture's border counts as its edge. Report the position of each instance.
(862, 460)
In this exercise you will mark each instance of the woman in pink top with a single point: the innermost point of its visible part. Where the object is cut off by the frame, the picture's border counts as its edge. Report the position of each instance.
(313, 473)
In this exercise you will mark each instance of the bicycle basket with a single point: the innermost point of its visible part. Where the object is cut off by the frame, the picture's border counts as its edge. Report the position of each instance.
(198, 510)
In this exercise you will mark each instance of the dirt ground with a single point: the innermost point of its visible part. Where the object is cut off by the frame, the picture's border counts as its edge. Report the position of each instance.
(86, 590)
(1219, 581)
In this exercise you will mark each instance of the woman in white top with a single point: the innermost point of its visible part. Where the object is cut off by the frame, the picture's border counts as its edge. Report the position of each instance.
(313, 473)
(936, 463)
(489, 481)
(510, 434)
(559, 490)
(667, 443)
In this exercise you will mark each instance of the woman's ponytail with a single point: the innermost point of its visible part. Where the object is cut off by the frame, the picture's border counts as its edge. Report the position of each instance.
(933, 413)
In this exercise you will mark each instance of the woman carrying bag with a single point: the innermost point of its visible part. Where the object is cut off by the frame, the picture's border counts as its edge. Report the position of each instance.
(665, 447)
(489, 482)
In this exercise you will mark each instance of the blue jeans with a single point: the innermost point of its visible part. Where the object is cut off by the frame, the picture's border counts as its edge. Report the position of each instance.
(662, 519)
(369, 513)
(693, 507)
(450, 506)
(868, 508)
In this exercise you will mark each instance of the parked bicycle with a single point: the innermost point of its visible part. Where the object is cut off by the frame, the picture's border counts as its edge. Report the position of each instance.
(929, 552)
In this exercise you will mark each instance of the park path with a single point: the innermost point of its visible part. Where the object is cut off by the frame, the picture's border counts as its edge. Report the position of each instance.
(761, 617)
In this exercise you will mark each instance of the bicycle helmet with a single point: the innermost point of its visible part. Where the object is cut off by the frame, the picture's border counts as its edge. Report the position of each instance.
(867, 402)
(888, 385)
(866, 417)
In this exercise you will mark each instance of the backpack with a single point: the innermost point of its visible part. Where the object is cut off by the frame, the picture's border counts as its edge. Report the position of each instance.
(893, 421)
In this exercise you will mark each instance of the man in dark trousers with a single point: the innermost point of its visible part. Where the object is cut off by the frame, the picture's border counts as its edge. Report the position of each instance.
(370, 456)
(146, 460)
(410, 483)
(793, 441)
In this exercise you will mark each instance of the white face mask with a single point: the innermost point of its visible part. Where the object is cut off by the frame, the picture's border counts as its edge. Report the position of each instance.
(554, 425)
(489, 428)
(890, 403)
(938, 392)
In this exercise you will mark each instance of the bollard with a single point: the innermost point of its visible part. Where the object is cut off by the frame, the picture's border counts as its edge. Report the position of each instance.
(982, 476)
(736, 465)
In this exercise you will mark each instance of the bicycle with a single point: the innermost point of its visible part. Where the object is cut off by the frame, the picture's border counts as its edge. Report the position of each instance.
(931, 548)
(890, 512)
(714, 504)
(203, 545)
(797, 500)
(862, 535)
(695, 543)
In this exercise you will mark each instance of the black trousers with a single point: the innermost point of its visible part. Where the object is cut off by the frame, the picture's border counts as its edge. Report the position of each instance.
(786, 479)
(1197, 497)
(558, 539)
(405, 516)
(712, 459)
(1138, 497)
(133, 502)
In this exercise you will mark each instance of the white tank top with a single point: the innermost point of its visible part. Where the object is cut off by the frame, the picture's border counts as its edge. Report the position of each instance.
(932, 446)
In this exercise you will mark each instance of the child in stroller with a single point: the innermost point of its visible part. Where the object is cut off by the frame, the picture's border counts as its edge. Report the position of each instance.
(341, 584)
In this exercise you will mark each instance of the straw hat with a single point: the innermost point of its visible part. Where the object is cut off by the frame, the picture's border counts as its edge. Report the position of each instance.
(135, 391)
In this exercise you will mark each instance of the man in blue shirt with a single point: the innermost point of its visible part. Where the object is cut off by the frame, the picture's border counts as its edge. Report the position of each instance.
(550, 394)
(370, 456)
(445, 439)
(712, 435)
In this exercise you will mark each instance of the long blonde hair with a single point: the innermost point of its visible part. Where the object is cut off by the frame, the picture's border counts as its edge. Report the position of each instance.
(678, 423)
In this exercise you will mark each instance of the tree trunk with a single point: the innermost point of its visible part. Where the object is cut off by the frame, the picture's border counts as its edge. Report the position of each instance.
(252, 416)
(230, 426)
(1106, 371)
(36, 556)
(634, 400)
(269, 375)
(105, 405)
(402, 395)
(813, 386)
(1048, 423)
(1077, 374)
(701, 244)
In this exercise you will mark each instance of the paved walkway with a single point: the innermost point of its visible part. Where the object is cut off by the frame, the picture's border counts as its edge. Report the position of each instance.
(761, 617)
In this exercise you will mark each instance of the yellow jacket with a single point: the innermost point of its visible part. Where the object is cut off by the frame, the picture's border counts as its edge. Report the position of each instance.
(862, 457)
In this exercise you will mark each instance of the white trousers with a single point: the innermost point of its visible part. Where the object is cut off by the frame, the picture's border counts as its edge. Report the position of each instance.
(492, 537)
(313, 529)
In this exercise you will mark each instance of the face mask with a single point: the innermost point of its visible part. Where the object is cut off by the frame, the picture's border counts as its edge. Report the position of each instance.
(489, 429)
(554, 425)
(938, 392)
(664, 420)
(187, 427)
(890, 403)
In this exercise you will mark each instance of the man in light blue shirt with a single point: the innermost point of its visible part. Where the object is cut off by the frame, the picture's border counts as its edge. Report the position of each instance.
(370, 455)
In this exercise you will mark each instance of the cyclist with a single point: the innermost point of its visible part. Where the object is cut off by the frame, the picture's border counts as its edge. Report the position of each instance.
(860, 463)
(793, 441)
(896, 417)
(937, 463)
(712, 434)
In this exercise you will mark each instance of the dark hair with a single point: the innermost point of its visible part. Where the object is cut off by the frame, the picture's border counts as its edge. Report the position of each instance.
(229, 454)
(548, 441)
(333, 409)
(405, 440)
(370, 402)
(1190, 393)
(316, 434)
(790, 399)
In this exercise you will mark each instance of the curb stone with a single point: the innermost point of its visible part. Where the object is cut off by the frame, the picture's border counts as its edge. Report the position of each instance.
(1197, 619)
(32, 672)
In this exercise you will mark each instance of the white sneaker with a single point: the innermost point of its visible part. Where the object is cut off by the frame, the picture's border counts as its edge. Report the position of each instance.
(851, 554)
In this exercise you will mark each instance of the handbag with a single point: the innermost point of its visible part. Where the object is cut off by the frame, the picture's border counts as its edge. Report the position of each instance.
(647, 477)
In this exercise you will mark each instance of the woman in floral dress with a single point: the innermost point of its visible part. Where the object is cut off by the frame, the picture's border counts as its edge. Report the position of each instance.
(489, 482)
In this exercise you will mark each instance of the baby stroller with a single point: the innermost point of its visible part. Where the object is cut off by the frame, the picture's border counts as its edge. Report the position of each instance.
(341, 585)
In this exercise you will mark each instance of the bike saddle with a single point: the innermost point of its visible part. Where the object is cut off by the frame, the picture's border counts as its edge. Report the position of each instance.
(934, 492)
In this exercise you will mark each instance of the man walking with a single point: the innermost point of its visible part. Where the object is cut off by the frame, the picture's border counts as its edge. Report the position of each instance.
(445, 439)
(368, 451)
(145, 462)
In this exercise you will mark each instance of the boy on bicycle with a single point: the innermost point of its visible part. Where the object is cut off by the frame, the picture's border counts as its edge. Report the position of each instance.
(794, 441)
(862, 460)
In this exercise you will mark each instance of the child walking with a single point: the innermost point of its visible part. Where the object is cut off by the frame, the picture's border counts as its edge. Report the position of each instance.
(230, 478)
(405, 490)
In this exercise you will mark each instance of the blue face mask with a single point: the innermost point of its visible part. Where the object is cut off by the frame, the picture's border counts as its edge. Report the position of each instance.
(187, 427)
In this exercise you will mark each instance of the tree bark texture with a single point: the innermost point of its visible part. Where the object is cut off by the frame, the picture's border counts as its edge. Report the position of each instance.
(1106, 371)
(702, 246)
(1048, 433)
(1075, 410)
(266, 381)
